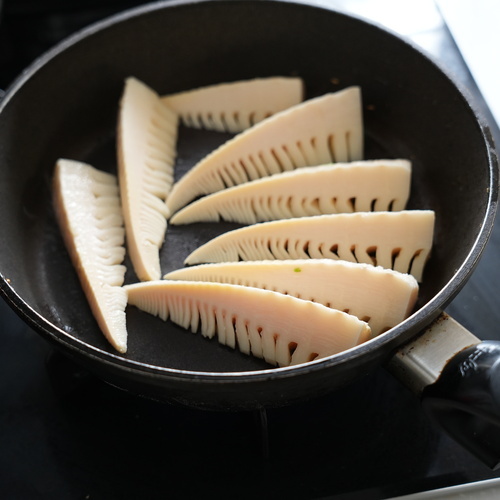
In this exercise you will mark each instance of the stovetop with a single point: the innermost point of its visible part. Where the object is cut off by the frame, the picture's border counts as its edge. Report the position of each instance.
(64, 434)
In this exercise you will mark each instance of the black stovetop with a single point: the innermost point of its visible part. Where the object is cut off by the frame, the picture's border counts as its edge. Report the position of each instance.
(64, 434)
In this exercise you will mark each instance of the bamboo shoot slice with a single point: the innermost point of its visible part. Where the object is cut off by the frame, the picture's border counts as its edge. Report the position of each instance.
(87, 206)
(322, 130)
(381, 297)
(394, 240)
(235, 106)
(146, 145)
(363, 186)
(281, 329)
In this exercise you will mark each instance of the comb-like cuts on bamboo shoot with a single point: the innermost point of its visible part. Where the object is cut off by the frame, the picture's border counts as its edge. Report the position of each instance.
(394, 240)
(146, 146)
(361, 186)
(88, 210)
(235, 106)
(381, 297)
(322, 130)
(281, 329)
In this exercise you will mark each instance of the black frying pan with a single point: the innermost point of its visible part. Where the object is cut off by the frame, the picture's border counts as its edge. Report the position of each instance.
(65, 105)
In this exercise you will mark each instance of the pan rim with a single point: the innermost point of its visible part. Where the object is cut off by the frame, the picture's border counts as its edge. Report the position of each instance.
(422, 317)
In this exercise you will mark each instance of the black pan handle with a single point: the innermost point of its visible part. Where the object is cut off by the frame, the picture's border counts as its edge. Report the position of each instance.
(465, 400)
(457, 378)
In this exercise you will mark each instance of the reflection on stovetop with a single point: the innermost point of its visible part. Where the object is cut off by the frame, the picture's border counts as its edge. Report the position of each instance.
(65, 434)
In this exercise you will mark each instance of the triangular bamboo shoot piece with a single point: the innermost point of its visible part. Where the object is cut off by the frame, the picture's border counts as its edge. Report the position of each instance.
(235, 106)
(362, 186)
(322, 130)
(87, 206)
(394, 240)
(381, 297)
(281, 329)
(146, 145)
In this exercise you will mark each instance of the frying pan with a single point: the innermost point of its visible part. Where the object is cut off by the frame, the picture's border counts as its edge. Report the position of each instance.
(65, 105)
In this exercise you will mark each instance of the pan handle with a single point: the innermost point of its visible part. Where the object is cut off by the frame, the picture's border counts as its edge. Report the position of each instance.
(457, 378)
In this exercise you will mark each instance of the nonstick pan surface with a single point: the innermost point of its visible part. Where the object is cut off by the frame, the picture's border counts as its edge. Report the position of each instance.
(65, 105)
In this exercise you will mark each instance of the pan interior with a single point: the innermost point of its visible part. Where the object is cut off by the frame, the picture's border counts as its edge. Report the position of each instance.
(66, 106)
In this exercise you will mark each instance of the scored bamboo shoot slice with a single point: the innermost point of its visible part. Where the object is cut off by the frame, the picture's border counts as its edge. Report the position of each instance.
(281, 329)
(235, 106)
(146, 146)
(394, 240)
(362, 186)
(381, 297)
(322, 130)
(88, 211)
